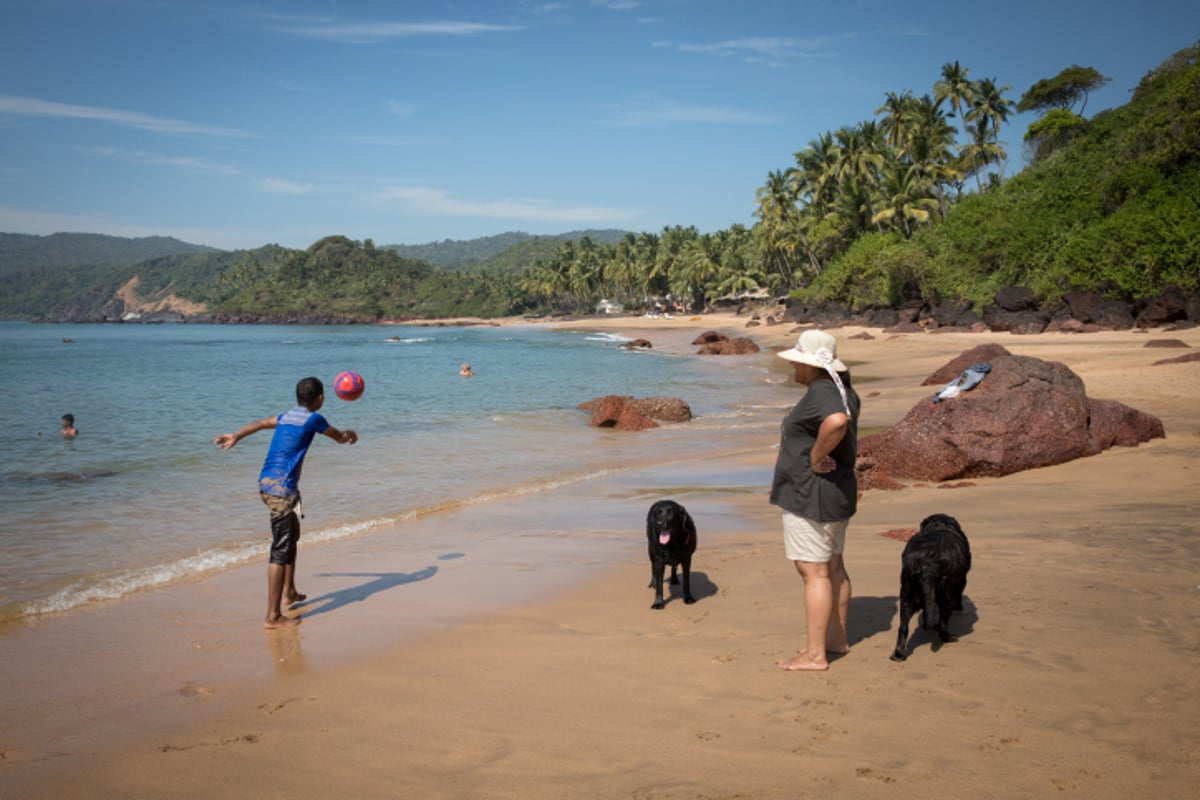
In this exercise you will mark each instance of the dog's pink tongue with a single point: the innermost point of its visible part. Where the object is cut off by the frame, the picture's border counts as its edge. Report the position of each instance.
(664, 538)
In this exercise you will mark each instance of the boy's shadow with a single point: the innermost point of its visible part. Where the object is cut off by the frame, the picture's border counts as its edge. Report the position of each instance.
(380, 581)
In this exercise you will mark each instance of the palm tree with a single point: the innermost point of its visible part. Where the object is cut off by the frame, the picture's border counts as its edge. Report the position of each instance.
(858, 169)
(990, 110)
(930, 146)
(815, 175)
(908, 198)
(897, 112)
(777, 215)
(959, 90)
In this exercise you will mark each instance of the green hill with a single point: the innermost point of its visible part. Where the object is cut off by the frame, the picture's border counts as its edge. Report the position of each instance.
(490, 251)
(21, 252)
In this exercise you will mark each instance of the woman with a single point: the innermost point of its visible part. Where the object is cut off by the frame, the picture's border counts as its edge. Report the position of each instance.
(816, 487)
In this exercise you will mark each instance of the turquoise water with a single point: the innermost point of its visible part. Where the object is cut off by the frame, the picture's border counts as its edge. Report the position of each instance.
(142, 497)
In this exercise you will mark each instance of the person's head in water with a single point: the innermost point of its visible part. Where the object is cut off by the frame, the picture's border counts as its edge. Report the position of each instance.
(310, 392)
(68, 425)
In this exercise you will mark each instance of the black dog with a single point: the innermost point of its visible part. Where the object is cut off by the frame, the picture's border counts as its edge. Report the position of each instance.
(671, 537)
(933, 576)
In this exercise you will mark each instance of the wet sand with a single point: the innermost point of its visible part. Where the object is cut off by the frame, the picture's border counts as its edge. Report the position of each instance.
(537, 669)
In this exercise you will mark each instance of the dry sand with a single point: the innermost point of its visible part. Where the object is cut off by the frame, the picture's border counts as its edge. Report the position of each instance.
(1077, 673)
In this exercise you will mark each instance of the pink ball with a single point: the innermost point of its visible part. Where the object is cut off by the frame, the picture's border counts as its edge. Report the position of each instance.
(348, 385)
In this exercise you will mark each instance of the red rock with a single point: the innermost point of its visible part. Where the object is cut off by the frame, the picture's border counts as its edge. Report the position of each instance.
(729, 347)
(633, 414)
(708, 337)
(1027, 413)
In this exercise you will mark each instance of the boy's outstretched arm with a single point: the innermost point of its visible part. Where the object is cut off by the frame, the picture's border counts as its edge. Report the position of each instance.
(228, 440)
(347, 436)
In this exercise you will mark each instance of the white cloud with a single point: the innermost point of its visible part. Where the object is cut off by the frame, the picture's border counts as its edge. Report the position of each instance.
(374, 32)
(436, 202)
(157, 159)
(771, 49)
(34, 107)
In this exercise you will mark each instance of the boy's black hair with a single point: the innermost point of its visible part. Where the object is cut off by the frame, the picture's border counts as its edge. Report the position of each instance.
(69, 418)
(308, 390)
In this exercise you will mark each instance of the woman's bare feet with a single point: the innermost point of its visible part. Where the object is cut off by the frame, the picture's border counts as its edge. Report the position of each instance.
(802, 662)
(281, 622)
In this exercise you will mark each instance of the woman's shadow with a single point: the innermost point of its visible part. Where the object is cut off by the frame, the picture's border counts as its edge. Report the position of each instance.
(380, 581)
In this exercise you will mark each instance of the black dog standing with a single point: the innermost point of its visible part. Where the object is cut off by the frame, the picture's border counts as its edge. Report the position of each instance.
(671, 539)
(933, 575)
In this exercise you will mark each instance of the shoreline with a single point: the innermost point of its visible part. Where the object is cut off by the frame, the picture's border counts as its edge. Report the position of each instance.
(577, 688)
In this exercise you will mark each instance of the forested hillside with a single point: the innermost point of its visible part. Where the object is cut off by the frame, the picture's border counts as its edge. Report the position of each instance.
(503, 250)
(1110, 204)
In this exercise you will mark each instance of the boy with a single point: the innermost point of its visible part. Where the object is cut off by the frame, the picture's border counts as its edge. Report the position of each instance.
(278, 486)
(68, 430)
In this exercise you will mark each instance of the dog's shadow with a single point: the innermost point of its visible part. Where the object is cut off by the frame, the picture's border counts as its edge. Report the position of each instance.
(380, 581)
(962, 623)
(702, 587)
(870, 616)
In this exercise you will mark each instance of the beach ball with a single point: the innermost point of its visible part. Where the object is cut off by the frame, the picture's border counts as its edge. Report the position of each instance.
(348, 385)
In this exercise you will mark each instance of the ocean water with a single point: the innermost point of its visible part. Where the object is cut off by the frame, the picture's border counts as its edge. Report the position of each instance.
(142, 498)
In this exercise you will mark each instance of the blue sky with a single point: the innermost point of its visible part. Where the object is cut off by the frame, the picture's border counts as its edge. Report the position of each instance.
(237, 124)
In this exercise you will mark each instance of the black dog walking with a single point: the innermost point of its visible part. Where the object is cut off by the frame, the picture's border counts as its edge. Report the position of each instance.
(933, 575)
(671, 539)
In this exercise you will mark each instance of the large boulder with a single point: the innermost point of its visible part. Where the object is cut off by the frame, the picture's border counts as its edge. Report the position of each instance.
(740, 346)
(1026, 413)
(635, 414)
(710, 337)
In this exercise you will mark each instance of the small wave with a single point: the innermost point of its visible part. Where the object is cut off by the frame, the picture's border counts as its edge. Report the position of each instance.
(113, 587)
(606, 337)
(407, 339)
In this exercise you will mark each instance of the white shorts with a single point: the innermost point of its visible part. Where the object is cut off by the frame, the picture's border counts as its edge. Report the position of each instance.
(813, 541)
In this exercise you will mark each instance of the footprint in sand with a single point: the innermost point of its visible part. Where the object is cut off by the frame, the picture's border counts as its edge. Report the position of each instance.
(271, 708)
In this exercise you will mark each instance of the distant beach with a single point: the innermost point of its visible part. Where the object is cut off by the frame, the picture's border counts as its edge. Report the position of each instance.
(528, 664)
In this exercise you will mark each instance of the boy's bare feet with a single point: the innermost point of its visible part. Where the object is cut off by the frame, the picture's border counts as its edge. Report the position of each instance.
(295, 597)
(281, 622)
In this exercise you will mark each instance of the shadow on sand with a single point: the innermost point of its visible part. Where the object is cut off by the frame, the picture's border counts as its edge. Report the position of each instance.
(379, 582)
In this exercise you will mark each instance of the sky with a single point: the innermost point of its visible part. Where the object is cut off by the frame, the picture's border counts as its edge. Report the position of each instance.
(237, 124)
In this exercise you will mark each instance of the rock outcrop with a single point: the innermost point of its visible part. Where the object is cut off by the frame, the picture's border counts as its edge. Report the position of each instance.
(1026, 413)
(635, 414)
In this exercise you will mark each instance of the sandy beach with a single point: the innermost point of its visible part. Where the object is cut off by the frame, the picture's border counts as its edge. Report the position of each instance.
(540, 671)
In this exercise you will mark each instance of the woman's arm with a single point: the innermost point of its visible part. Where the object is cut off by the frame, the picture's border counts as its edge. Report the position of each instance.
(829, 435)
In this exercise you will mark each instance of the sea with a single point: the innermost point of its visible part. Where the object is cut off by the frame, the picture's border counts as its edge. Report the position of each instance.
(142, 498)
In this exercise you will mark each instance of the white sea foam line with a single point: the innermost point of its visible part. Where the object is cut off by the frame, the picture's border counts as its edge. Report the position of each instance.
(121, 584)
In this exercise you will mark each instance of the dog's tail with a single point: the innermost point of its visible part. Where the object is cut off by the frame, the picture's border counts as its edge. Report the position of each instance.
(932, 615)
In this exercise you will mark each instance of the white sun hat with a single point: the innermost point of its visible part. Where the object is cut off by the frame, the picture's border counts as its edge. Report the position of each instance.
(815, 348)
